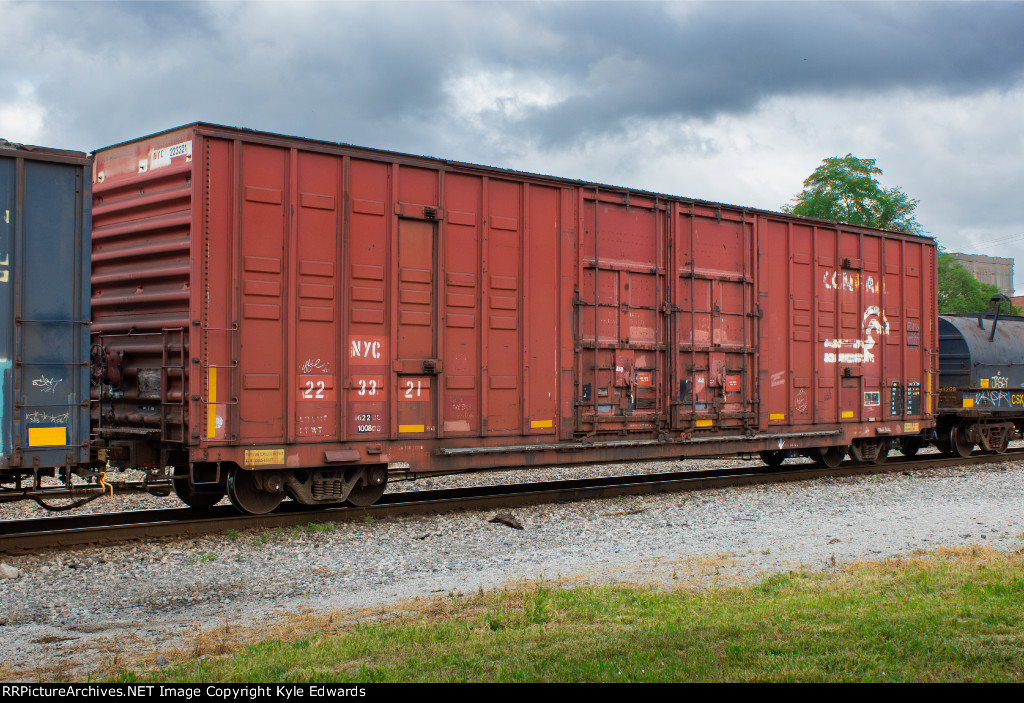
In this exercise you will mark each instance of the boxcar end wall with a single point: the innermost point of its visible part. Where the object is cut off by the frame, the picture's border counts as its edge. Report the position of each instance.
(44, 310)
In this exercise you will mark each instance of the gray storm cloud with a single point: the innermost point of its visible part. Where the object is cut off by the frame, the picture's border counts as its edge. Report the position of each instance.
(729, 101)
(379, 71)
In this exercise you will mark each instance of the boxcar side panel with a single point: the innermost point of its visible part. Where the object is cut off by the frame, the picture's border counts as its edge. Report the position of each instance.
(413, 297)
(843, 337)
(714, 320)
(365, 269)
(214, 340)
(620, 316)
(460, 392)
(353, 307)
(44, 283)
(315, 319)
(502, 280)
(542, 311)
(8, 198)
(785, 367)
(263, 305)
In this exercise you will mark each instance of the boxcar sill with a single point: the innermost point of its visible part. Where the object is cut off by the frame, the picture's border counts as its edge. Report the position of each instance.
(563, 446)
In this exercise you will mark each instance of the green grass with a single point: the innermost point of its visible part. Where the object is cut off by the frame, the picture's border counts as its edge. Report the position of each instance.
(953, 616)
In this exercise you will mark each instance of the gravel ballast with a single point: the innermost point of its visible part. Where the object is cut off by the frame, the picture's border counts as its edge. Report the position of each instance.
(70, 613)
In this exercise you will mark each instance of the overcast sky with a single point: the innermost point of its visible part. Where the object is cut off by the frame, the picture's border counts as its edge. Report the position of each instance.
(734, 102)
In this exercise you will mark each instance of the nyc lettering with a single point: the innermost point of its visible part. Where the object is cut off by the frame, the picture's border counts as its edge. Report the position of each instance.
(162, 157)
(363, 349)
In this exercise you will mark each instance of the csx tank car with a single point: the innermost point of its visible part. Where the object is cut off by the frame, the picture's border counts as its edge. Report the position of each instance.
(981, 382)
(276, 316)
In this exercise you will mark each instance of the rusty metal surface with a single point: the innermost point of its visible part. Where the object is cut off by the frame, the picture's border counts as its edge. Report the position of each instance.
(347, 302)
(142, 261)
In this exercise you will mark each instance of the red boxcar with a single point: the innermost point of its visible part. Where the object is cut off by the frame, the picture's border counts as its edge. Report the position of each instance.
(276, 316)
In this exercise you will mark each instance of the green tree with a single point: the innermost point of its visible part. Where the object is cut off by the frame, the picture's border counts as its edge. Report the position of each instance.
(959, 291)
(844, 189)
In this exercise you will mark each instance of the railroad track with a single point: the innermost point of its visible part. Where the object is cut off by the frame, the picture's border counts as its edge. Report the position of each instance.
(20, 536)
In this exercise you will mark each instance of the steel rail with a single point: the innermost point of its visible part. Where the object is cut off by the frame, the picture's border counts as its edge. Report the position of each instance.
(21, 536)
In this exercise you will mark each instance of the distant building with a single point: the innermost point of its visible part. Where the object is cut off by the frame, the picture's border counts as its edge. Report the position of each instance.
(1018, 301)
(989, 269)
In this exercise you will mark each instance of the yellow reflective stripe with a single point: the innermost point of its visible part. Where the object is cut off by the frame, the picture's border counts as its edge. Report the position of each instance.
(211, 407)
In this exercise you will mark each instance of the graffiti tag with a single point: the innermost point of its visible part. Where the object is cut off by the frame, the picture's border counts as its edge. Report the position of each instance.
(46, 385)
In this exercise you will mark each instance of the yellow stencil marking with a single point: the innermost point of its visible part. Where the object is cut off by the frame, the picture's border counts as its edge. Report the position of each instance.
(211, 407)
(47, 436)
(410, 428)
(777, 416)
(705, 423)
(541, 423)
(968, 402)
(263, 457)
(847, 413)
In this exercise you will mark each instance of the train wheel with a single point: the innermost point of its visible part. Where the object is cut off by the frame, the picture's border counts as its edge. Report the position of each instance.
(1004, 442)
(909, 446)
(943, 442)
(247, 496)
(959, 441)
(188, 495)
(831, 457)
(772, 458)
(880, 457)
(369, 490)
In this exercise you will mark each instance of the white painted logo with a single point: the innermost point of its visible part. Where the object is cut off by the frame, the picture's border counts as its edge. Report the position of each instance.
(859, 351)
(837, 280)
